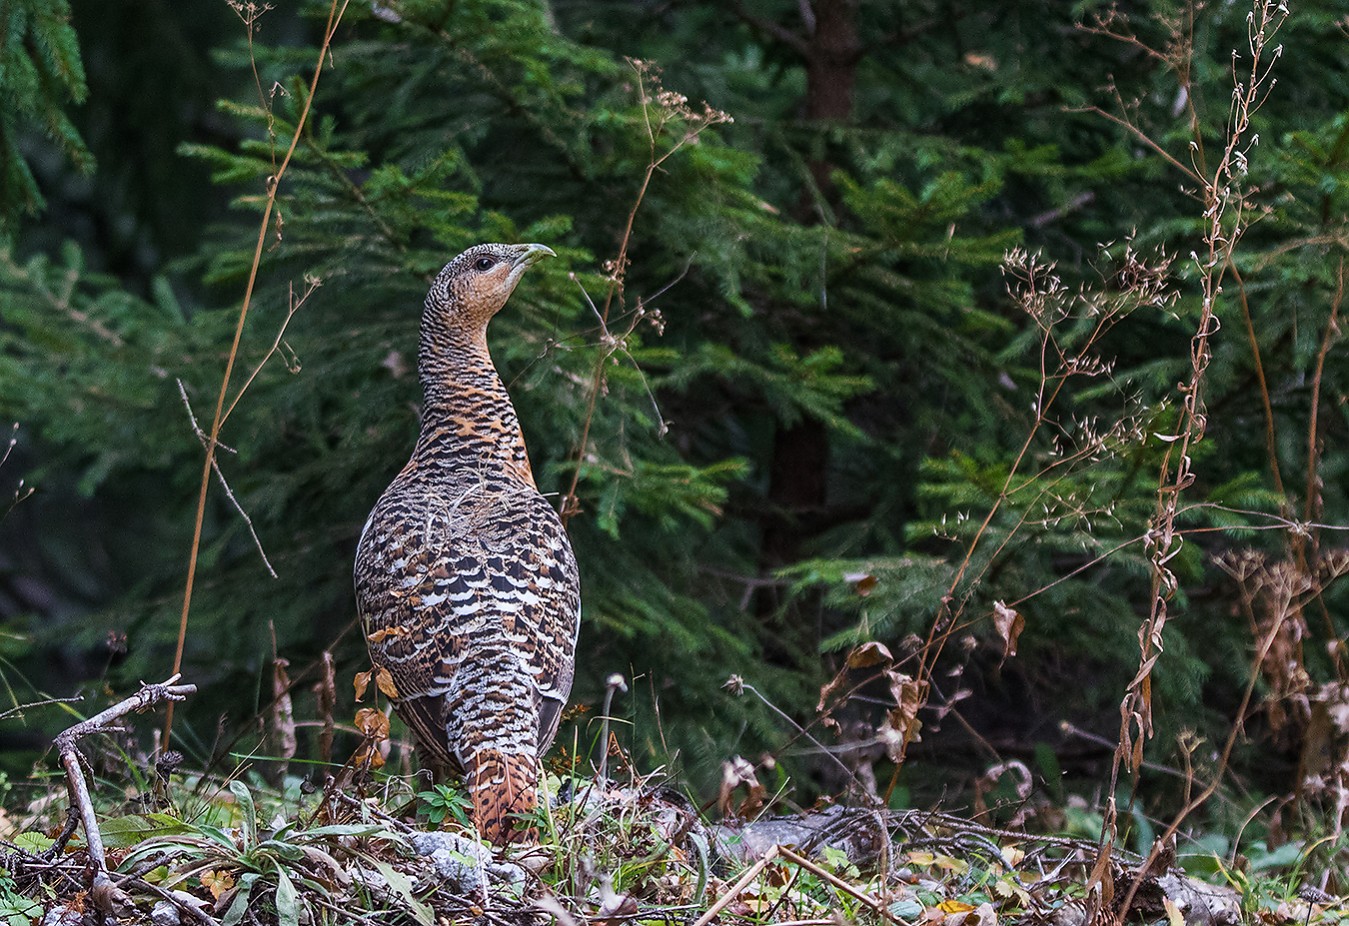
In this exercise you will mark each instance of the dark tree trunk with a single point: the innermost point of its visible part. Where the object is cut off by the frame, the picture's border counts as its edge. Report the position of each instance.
(799, 465)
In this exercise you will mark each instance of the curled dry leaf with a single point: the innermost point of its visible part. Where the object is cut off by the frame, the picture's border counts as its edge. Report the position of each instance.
(862, 582)
(871, 653)
(382, 678)
(862, 656)
(1009, 623)
(372, 723)
(384, 682)
(379, 636)
(374, 726)
(738, 771)
(283, 711)
(901, 724)
(326, 689)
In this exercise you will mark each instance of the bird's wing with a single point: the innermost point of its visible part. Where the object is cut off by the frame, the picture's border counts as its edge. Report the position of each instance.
(533, 576)
(402, 576)
(463, 585)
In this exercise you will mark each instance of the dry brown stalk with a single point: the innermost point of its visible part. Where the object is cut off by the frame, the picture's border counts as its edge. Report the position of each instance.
(668, 107)
(734, 890)
(1224, 204)
(877, 906)
(335, 12)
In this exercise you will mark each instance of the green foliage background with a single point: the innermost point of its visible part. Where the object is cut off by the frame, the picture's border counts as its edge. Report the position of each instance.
(842, 377)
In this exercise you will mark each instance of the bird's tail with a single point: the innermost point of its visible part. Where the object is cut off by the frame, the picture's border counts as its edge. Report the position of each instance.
(502, 785)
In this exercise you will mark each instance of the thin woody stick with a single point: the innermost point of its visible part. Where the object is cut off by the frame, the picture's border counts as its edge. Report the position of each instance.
(839, 883)
(105, 893)
(734, 891)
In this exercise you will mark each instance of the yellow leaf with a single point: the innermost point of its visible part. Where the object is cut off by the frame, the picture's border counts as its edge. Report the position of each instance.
(947, 863)
(217, 882)
(921, 858)
(1173, 915)
(955, 906)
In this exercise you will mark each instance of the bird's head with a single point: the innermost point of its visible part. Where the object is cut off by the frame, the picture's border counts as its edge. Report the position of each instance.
(474, 286)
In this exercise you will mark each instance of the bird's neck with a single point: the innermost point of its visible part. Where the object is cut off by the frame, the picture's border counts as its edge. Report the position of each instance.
(468, 422)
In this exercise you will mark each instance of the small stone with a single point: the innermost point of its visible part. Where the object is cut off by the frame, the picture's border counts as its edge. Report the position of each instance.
(61, 915)
(165, 914)
(465, 864)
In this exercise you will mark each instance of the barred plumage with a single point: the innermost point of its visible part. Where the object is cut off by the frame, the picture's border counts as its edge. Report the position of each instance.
(465, 579)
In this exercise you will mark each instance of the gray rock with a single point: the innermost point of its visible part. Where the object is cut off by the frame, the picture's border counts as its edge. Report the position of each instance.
(465, 865)
(61, 915)
(165, 914)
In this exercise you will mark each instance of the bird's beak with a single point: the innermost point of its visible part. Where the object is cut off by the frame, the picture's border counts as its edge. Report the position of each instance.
(527, 254)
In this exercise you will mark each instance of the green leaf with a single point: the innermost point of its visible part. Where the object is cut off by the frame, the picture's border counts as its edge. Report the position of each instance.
(239, 905)
(401, 886)
(244, 798)
(122, 832)
(36, 843)
(287, 901)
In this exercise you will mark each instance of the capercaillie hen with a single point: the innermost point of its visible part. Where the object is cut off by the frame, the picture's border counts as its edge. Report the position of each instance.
(465, 580)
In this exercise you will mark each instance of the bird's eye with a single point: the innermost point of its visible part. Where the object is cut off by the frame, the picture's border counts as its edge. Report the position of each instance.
(483, 264)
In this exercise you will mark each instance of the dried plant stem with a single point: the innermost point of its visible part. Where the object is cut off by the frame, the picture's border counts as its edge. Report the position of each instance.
(734, 890)
(876, 906)
(668, 106)
(67, 744)
(1271, 442)
(335, 12)
(1175, 473)
(18, 709)
(224, 485)
(1312, 498)
(1215, 779)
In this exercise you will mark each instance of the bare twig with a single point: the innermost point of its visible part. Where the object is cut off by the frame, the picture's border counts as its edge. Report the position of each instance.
(668, 107)
(734, 890)
(1224, 206)
(229, 493)
(1312, 497)
(20, 708)
(878, 907)
(105, 893)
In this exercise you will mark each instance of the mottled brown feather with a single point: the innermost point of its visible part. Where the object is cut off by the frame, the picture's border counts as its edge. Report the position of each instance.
(465, 579)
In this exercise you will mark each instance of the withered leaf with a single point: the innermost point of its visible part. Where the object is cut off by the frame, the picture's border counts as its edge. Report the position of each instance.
(738, 771)
(372, 723)
(862, 582)
(1008, 622)
(862, 656)
(384, 682)
(283, 711)
(217, 882)
(379, 636)
(901, 724)
(871, 653)
(362, 682)
(374, 726)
